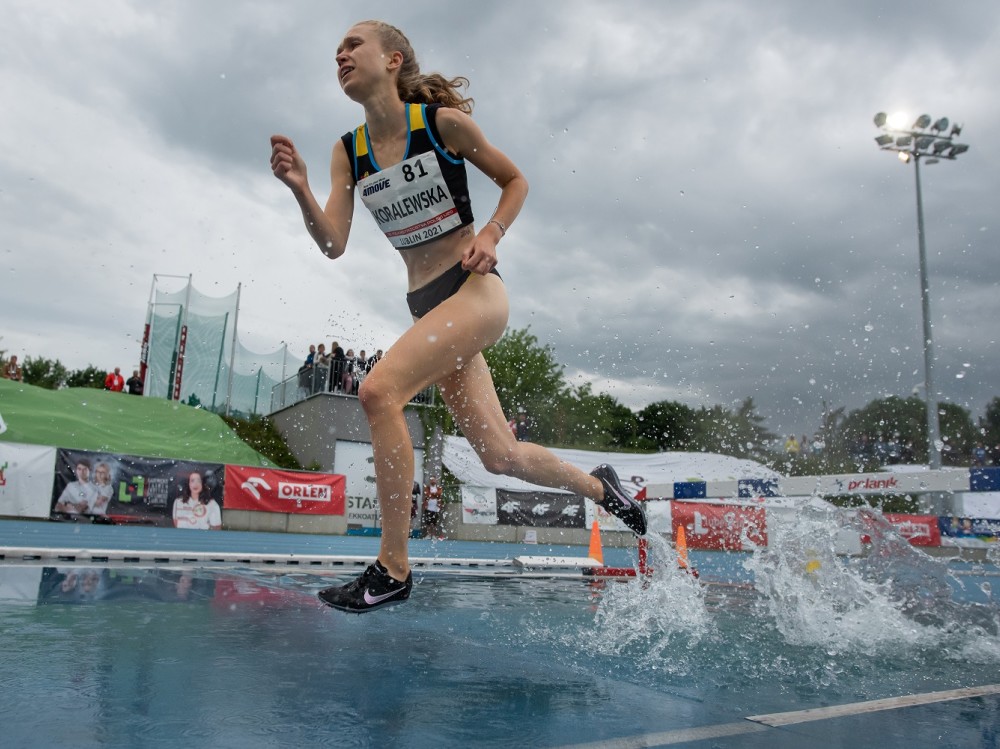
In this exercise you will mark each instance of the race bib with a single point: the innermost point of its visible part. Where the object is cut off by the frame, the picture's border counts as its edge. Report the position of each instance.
(410, 201)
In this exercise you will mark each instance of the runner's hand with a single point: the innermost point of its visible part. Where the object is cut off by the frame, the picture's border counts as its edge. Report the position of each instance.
(287, 164)
(481, 256)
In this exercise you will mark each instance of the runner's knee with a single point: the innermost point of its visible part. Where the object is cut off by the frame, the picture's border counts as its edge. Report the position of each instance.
(376, 396)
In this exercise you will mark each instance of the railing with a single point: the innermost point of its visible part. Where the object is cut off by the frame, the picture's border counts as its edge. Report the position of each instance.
(317, 380)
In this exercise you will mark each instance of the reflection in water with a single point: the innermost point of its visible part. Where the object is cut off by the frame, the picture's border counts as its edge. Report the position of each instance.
(75, 585)
(252, 659)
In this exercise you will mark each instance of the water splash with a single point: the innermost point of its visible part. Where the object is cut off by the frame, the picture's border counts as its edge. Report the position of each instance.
(657, 619)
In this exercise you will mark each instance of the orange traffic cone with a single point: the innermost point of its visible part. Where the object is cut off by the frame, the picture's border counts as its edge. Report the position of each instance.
(682, 548)
(595, 551)
(682, 552)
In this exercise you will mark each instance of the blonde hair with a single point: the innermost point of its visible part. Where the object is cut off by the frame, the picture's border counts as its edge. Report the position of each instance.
(414, 86)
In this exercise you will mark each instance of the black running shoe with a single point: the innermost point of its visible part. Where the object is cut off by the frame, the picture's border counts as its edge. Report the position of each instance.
(618, 502)
(374, 589)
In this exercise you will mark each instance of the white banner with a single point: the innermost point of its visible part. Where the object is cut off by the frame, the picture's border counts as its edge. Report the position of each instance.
(26, 475)
(355, 461)
(479, 505)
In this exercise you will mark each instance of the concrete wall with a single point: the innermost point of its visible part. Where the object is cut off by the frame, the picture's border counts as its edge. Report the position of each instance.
(283, 522)
(312, 427)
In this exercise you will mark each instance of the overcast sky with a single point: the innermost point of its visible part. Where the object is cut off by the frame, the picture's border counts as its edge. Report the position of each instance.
(709, 216)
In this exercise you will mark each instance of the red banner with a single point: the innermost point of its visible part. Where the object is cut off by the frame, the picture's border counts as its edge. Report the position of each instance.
(274, 490)
(919, 530)
(719, 526)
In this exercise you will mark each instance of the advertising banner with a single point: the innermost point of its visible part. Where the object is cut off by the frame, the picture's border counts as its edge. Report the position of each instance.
(479, 505)
(25, 480)
(274, 490)
(129, 489)
(540, 509)
(984, 528)
(919, 530)
(728, 527)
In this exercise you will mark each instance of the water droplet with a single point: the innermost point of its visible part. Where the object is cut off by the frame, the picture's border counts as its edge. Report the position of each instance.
(869, 328)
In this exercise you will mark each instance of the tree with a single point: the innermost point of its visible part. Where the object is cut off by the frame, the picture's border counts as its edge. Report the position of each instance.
(527, 375)
(740, 433)
(263, 436)
(91, 377)
(45, 373)
(595, 421)
(667, 425)
(958, 434)
(989, 424)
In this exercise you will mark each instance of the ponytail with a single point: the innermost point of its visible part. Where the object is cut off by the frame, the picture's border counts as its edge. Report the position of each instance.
(414, 86)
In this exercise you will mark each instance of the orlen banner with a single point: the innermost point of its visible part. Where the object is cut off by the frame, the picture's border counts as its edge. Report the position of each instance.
(919, 530)
(273, 490)
(720, 526)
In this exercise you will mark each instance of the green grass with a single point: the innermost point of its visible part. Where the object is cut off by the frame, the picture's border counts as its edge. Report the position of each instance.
(88, 419)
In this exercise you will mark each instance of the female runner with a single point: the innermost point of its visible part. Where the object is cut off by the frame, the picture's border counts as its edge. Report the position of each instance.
(408, 162)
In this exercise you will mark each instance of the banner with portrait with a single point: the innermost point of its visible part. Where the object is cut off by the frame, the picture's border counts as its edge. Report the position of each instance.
(126, 489)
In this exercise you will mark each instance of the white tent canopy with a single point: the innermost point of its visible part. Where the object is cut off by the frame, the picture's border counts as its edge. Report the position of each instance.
(652, 468)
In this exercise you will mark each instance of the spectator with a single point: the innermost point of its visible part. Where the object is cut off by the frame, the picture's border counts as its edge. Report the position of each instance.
(792, 446)
(306, 372)
(979, 455)
(373, 360)
(818, 444)
(337, 369)
(114, 381)
(12, 370)
(522, 427)
(347, 381)
(321, 369)
(432, 508)
(414, 502)
(134, 383)
(360, 370)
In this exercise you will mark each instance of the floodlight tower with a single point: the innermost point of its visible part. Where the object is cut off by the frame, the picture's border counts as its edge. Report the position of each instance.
(933, 141)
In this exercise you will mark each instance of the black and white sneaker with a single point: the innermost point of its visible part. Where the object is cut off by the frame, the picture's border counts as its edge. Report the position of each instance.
(618, 502)
(373, 589)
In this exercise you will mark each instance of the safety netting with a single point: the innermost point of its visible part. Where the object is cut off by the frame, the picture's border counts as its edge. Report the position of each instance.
(193, 353)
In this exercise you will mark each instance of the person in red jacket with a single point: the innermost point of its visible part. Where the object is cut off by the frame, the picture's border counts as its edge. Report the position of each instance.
(114, 381)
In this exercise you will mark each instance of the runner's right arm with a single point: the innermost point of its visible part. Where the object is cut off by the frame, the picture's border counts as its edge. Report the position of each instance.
(329, 227)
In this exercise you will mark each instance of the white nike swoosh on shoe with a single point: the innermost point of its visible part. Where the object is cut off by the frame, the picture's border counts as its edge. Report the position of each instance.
(372, 600)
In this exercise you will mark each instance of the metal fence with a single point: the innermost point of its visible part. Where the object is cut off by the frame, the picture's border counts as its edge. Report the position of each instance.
(316, 380)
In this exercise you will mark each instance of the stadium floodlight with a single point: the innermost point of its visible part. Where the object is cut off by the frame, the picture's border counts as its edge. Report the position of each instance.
(911, 145)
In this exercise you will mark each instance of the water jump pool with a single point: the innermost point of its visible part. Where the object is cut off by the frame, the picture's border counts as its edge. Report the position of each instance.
(788, 649)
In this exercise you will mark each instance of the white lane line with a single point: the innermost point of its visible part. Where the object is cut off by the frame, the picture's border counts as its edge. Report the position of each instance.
(757, 723)
(678, 736)
(857, 708)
